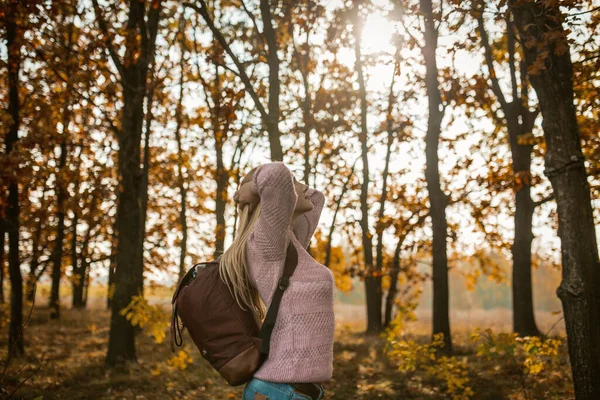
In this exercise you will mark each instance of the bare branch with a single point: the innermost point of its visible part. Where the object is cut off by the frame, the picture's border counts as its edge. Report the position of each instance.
(28, 376)
(490, 62)
(258, 32)
(108, 38)
(543, 200)
(511, 59)
(202, 10)
(583, 12)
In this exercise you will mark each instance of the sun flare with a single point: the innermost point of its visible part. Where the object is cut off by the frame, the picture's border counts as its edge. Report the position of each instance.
(377, 34)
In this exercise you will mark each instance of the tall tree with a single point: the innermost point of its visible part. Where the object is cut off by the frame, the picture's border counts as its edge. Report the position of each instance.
(141, 31)
(2, 243)
(392, 129)
(270, 115)
(37, 225)
(372, 278)
(94, 228)
(519, 121)
(61, 174)
(181, 184)
(112, 266)
(217, 116)
(437, 198)
(15, 12)
(547, 55)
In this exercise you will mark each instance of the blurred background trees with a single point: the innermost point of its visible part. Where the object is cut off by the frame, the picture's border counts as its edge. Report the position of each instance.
(453, 140)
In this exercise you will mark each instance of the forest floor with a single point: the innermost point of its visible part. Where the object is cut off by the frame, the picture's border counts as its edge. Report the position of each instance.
(70, 356)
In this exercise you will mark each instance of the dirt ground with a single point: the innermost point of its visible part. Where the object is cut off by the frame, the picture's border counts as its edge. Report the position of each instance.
(70, 356)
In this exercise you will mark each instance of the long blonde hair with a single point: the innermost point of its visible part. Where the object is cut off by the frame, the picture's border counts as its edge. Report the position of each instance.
(233, 265)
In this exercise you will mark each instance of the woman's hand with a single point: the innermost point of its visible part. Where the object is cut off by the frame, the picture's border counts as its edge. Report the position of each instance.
(247, 197)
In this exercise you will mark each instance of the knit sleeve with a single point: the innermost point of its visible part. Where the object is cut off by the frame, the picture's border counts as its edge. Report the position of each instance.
(306, 224)
(274, 184)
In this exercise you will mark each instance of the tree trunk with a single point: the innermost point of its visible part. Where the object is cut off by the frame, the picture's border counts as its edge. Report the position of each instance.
(81, 286)
(112, 265)
(335, 214)
(139, 51)
(111, 279)
(2, 236)
(57, 254)
(129, 257)
(437, 199)
(180, 177)
(78, 291)
(519, 121)
(372, 279)
(380, 227)
(551, 75)
(13, 45)
(270, 118)
(235, 168)
(34, 263)
(61, 190)
(523, 312)
(86, 282)
(272, 122)
(393, 292)
(221, 176)
(145, 173)
(522, 123)
(302, 61)
(77, 300)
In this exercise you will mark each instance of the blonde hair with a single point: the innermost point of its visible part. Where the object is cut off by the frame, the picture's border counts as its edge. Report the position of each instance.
(233, 265)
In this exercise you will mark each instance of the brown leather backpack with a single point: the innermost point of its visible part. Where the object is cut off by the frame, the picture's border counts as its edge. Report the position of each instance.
(229, 338)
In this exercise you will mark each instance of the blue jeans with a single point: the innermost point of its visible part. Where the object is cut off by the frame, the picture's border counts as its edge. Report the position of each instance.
(273, 391)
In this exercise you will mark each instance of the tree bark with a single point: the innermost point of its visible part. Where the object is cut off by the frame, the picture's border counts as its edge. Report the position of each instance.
(86, 283)
(61, 190)
(393, 292)
(78, 273)
(519, 121)
(35, 260)
(335, 214)
(523, 313)
(372, 278)
(272, 122)
(551, 75)
(437, 199)
(221, 175)
(139, 52)
(14, 35)
(269, 118)
(112, 265)
(111, 277)
(145, 180)
(2, 237)
(34, 263)
(57, 254)
(382, 201)
(302, 61)
(180, 177)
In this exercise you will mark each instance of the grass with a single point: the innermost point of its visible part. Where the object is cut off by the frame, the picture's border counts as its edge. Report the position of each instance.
(74, 350)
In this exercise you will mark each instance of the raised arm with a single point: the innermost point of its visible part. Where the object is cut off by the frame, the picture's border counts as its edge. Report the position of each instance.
(306, 224)
(274, 184)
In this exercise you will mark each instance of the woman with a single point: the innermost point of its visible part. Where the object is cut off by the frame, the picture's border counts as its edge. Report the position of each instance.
(274, 210)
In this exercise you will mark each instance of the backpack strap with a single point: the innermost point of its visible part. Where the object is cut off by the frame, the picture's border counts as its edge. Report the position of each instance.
(291, 260)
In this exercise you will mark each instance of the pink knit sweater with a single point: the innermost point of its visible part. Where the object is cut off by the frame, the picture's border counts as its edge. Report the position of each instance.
(302, 340)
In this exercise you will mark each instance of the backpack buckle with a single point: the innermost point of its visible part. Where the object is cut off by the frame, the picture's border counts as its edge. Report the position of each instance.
(284, 282)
